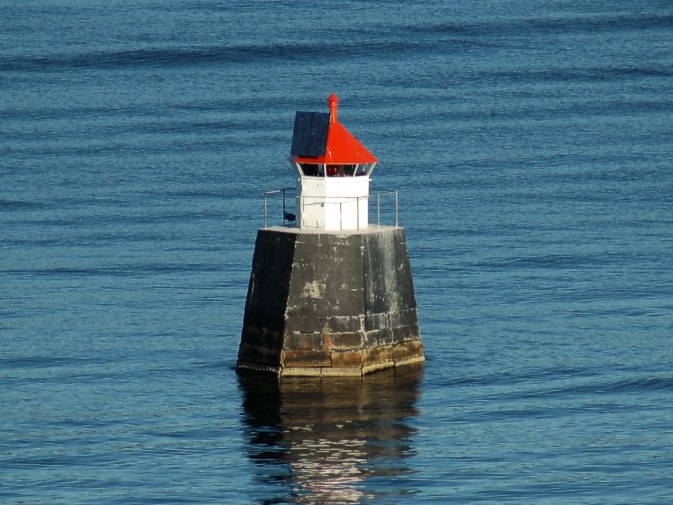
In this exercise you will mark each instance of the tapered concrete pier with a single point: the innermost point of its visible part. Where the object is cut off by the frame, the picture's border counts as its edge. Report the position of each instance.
(329, 303)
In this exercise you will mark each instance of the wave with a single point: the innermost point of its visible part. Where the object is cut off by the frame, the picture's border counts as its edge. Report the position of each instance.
(196, 56)
(116, 271)
(581, 74)
(530, 26)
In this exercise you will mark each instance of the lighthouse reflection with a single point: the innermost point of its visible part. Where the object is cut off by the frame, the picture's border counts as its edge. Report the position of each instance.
(335, 440)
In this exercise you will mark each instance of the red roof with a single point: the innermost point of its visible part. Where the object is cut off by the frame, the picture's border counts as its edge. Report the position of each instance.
(342, 147)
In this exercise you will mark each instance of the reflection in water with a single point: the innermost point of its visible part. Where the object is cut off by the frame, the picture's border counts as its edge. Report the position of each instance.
(335, 440)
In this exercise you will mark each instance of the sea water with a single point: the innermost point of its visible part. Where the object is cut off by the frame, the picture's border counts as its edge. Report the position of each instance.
(531, 144)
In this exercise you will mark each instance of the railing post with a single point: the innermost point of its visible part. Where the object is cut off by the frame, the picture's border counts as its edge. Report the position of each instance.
(378, 209)
(357, 212)
(284, 212)
(341, 215)
(264, 210)
(396, 222)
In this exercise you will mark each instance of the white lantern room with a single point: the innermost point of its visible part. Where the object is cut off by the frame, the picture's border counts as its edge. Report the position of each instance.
(333, 170)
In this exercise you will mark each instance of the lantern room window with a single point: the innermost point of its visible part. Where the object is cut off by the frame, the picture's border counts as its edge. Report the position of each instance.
(340, 170)
(364, 169)
(334, 170)
(312, 169)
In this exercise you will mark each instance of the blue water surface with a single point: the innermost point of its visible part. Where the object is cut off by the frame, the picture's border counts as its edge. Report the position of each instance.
(531, 143)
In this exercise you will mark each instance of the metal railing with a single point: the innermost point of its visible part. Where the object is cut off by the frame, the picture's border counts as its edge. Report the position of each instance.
(387, 194)
(288, 217)
(390, 211)
(330, 204)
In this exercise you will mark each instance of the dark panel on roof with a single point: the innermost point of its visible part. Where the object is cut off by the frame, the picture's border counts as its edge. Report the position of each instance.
(309, 137)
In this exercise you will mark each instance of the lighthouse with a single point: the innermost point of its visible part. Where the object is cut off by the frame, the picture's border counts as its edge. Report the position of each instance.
(332, 294)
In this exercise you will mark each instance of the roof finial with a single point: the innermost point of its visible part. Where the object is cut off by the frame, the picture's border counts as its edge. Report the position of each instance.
(333, 101)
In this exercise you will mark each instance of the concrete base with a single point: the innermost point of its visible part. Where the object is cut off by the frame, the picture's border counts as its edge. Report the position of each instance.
(330, 303)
